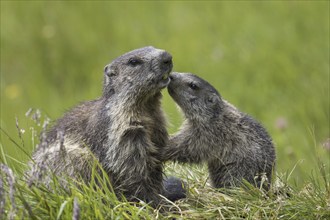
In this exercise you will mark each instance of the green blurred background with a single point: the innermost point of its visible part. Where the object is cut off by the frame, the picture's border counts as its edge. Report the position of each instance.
(270, 59)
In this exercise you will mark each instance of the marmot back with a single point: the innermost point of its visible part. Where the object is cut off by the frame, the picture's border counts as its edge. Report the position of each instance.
(233, 144)
(124, 129)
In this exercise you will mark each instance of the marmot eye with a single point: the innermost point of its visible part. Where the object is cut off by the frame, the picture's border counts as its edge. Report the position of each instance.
(193, 86)
(134, 62)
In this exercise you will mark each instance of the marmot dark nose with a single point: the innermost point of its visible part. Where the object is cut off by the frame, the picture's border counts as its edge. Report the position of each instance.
(173, 76)
(166, 60)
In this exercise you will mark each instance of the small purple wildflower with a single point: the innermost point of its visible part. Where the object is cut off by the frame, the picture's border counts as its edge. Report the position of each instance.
(11, 183)
(326, 144)
(36, 117)
(18, 129)
(76, 209)
(2, 198)
(28, 113)
(281, 123)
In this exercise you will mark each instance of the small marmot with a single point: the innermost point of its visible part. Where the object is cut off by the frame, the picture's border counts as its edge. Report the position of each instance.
(234, 145)
(124, 129)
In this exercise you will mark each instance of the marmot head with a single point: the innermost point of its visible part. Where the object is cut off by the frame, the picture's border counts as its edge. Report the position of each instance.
(196, 97)
(138, 73)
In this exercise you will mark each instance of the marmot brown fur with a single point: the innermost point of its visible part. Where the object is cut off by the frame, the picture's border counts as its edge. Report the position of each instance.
(124, 129)
(233, 144)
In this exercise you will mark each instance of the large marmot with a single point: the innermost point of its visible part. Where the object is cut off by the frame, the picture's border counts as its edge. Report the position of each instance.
(124, 129)
(233, 144)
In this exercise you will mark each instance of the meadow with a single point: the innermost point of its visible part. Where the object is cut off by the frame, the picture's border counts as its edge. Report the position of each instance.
(268, 58)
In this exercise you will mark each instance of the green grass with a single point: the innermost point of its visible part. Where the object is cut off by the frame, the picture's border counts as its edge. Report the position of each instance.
(95, 201)
(268, 58)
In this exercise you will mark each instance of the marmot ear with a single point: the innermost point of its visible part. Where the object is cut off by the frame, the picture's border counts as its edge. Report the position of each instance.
(110, 71)
(213, 98)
